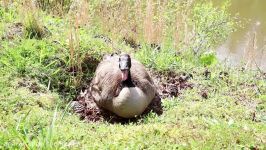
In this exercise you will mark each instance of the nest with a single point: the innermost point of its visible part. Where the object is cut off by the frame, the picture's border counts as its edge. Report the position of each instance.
(168, 85)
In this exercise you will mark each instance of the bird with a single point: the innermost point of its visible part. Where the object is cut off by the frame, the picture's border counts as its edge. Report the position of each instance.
(122, 85)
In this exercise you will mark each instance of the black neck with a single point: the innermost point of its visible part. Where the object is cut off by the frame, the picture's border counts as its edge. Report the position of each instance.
(128, 82)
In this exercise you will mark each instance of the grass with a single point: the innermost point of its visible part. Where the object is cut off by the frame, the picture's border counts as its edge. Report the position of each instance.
(39, 76)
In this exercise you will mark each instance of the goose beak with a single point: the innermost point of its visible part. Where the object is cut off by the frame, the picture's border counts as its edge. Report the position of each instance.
(124, 75)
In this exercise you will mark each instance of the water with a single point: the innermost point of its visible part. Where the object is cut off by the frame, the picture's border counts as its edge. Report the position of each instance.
(247, 45)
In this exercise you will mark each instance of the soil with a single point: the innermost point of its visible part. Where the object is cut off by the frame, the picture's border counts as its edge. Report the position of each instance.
(168, 85)
(13, 31)
(17, 30)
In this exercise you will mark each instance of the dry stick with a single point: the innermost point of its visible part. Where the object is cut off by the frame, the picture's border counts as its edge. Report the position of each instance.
(257, 66)
(248, 52)
(254, 48)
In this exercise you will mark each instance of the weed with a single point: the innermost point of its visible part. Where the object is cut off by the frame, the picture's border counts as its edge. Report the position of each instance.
(32, 22)
(57, 7)
(211, 27)
(208, 59)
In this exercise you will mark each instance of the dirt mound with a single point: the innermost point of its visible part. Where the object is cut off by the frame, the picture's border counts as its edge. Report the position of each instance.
(18, 30)
(89, 111)
(168, 85)
(13, 31)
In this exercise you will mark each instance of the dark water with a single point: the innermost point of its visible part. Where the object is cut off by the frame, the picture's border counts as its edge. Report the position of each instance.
(247, 45)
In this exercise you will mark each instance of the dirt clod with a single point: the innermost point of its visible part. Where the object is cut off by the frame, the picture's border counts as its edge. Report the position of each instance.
(204, 95)
(207, 74)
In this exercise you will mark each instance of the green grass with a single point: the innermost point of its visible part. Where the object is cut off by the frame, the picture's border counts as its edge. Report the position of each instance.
(38, 78)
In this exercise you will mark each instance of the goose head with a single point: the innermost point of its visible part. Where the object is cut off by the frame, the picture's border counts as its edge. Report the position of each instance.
(124, 66)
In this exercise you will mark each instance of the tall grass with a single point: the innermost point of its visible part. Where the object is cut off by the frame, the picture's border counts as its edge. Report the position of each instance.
(181, 25)
(25, 135)
(57, 7)
(162, 28)
(32, 21)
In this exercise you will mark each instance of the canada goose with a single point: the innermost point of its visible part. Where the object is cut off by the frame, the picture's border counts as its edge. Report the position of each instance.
(122, 86)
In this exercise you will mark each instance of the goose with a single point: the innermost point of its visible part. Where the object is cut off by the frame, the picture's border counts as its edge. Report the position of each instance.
(122, 86)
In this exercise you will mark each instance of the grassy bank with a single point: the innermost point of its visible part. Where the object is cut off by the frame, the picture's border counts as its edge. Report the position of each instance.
(48, 54)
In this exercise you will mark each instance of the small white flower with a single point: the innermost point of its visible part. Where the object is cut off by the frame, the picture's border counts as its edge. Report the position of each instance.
(230, 122)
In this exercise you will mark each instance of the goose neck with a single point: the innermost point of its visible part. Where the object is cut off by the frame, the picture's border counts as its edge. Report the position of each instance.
(128, 82)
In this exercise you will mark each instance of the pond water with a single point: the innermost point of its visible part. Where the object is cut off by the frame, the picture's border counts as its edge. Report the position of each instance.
(248, 43)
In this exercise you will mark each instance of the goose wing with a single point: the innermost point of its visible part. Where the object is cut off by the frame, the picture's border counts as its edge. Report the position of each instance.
(106, 80)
